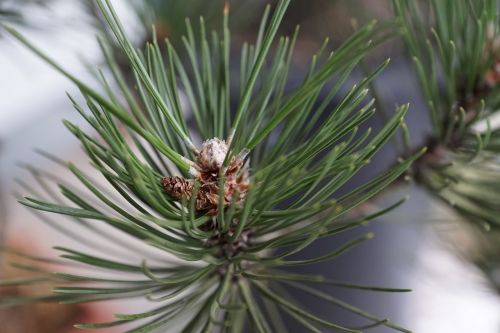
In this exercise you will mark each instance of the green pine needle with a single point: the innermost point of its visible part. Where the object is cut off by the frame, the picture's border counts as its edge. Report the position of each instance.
(300, 151)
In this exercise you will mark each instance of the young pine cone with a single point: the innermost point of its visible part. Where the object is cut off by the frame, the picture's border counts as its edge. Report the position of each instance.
(209, 163)
(176, 187)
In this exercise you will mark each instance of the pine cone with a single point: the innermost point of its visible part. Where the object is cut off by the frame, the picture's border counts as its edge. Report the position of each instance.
(176, 187)
(209, 163)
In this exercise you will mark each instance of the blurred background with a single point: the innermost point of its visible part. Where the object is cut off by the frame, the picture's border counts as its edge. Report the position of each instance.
(421, 246)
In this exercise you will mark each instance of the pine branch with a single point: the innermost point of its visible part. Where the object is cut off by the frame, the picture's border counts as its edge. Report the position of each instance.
(455, 51)
(230, 212)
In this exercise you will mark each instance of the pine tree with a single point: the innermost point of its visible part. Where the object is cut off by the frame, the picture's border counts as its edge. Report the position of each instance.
(231, 199)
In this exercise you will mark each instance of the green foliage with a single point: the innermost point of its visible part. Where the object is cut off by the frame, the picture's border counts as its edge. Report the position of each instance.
(454, 45)
(228, 270)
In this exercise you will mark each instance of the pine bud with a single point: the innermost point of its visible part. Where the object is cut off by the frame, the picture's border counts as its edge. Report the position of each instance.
(212, 154)
(176, 187)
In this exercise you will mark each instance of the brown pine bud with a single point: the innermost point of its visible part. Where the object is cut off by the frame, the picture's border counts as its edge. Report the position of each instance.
(176, 187)
(209, 163)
